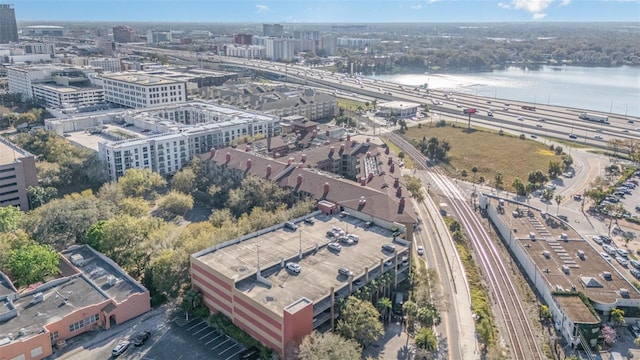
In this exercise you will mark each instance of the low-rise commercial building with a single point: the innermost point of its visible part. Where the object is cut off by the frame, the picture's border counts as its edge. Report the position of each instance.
(139, 90)
(91, 292)
(17, 173)
(401, 109)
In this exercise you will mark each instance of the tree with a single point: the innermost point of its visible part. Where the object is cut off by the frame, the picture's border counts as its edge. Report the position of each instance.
(547, 195)
(426, 339)
(169, 271)
(328, 346)
(567, 161)
(545, 313)
(617, 317)
(176, 203)
(384, 307)
(609, 334)
(555, 169)
(637, 341)
(32, 263)
(558, 199)
(359, 321)
(39, 195)
(474, 170)
(414, 186)
(498, 181)
(428, 315)
(518, 186)
(9, 218)
(139, 182)
(184, 181)
(191, 300)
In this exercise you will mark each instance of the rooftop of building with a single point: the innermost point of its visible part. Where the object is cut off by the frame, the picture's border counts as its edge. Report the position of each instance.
(140, 78)
(576, 310)
(6, 287)
(10, 153)
(378, 201)
(319, 265)
(67, 88)
(399, 105)
(103, 272)
(567, 261)
(68, 295)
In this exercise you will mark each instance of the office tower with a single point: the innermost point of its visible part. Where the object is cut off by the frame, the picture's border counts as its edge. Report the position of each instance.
(8, 26)
(123, 34)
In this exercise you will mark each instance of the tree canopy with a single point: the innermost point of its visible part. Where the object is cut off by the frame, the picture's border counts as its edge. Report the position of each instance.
(328, 346)
(359, 321)
(31, 263)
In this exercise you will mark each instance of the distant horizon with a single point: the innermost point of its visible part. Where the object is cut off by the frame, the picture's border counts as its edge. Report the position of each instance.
(329, 11)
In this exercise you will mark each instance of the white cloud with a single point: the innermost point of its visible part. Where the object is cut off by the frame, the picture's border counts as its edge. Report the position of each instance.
(565, 2)
(539, 16)
(416, 7)
(504, 6)
(531, 6)
(262, 9)
(432, 1)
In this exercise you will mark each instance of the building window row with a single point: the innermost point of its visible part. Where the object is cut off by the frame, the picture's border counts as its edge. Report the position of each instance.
(76, 326)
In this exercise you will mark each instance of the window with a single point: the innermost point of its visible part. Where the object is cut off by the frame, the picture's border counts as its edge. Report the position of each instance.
(36, 351)
(93, 318)
(53, 336)
(19, 357)
(76, 326)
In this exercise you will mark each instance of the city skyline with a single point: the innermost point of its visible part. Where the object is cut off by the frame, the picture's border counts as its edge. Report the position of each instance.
(330, 11)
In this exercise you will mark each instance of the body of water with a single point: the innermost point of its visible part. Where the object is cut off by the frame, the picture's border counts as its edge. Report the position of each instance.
(615, 90)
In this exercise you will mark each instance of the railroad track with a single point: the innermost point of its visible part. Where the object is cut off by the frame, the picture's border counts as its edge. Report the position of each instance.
(518, 329)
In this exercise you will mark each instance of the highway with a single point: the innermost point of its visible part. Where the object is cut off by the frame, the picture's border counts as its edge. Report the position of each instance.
(545, 122)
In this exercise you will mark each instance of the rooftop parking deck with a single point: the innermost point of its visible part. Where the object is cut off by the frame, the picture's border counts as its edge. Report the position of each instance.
(319, 265)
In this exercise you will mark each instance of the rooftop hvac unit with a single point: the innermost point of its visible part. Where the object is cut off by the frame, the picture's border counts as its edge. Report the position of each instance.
(111, 280)
(77, 260)
(37, 297)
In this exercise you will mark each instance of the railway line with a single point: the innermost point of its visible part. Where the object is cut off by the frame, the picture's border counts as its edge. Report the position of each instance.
(518, 329)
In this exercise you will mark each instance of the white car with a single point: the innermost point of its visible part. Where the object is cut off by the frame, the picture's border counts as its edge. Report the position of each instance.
(293, 267)
(334, 246)
(622, 261)
(388, 263)
(623, 253)
(597, 239)
(605, 256)
(420, 250)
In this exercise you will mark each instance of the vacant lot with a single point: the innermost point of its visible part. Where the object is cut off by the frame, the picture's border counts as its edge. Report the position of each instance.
(489, 152)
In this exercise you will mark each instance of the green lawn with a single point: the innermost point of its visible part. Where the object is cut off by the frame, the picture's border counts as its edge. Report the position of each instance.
(351, 104)
(489, 152)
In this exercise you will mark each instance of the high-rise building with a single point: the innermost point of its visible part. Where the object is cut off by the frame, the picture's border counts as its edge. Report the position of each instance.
(8, 25)
(243, 39)
(123, 34)
(280, 49)
(17, 173)
(272, 30)
(329, 44)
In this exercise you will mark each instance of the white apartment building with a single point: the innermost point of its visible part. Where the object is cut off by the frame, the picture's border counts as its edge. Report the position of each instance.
(108, 65)
(246, 51)
(280, 49)
(140, 90)
(184, 131)
(357, 42)
(55, 84)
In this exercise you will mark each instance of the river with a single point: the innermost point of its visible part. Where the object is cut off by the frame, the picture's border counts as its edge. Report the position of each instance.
(607, 90)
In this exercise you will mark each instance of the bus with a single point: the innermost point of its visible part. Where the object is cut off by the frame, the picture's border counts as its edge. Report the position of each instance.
(527, 107)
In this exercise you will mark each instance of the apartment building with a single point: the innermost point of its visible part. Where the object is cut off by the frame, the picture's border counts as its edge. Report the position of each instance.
(272, 30)
(17, 173)
(182, 132)
(140, 90)
(279, 49)
(245, 51)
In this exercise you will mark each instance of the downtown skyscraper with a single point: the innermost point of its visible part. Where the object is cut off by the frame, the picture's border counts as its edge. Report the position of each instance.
(8, 25)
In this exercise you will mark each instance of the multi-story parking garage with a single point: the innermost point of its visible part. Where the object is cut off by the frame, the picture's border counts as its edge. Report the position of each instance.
(248, 279)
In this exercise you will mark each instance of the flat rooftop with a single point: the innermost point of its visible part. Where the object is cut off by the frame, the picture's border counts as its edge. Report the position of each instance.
(140, 79)
(551, 250)
(98, 268)
(32, 317)
(67, 88)
(319, 269)
(577, 311)
(9, 152)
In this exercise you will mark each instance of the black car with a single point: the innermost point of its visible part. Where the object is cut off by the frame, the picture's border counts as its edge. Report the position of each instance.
(251, 353)
(139, 339)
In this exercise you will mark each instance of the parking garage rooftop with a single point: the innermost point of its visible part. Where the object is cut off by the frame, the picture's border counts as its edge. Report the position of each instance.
(319, 265)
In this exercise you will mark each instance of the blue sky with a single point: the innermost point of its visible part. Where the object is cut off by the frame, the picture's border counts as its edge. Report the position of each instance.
(329, 11)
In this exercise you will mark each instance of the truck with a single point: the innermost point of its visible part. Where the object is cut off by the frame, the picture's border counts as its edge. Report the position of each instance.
(594, 117)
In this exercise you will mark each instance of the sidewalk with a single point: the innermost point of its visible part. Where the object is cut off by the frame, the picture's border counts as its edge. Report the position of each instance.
(394, 345)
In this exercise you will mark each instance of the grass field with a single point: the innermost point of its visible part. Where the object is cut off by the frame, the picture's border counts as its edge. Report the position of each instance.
(489, 152)
(351, 104)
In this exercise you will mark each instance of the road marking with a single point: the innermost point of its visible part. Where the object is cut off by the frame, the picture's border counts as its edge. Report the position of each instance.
(204, 328)
(212, 332)
(217, 346)
(214, 339)
(229, 348)
(198, 324)
(234, 355)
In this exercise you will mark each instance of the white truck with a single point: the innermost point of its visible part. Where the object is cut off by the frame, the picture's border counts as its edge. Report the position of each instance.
(594, 117)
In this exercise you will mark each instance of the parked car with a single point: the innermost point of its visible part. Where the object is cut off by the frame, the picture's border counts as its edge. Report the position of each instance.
(334, 246)
(290, 225)
(623, 253)
(605, 256)
(140, 338)
(309, 221)
(120, 348)
(405, 262)
(635, 273)
(355, 238)
(388, 263)
(609, 249)
(597, 239)
(622, 261)
(635, 264)
(345, 272)
(293, 267)
(420, 250)
(389, 248)
(251, 353)
(605, 239)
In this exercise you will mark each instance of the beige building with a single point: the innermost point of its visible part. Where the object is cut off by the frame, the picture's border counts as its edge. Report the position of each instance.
(17, 173)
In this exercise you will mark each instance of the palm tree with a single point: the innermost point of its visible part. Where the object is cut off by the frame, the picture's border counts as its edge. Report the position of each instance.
(384, 307)
(427, 340)
(410, 309)
(428, 315)
(558, 199)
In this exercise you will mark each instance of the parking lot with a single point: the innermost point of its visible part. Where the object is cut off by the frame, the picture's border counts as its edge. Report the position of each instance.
(193, 339)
